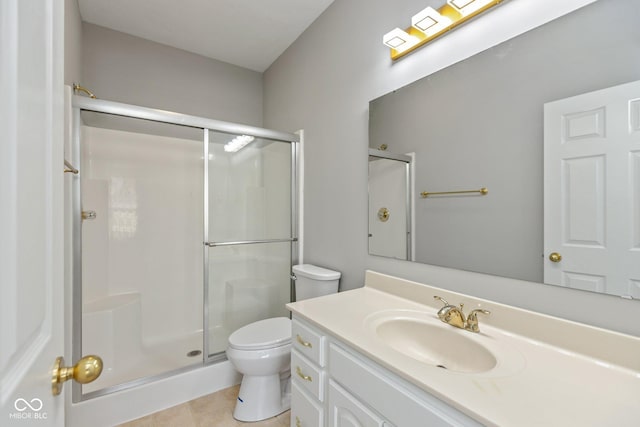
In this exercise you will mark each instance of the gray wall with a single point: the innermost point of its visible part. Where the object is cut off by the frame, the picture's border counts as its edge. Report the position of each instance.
(72, 43)
(323, 84)
(478, 123)
(124, 68)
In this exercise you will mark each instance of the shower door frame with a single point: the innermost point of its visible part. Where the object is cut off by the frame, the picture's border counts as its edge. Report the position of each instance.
(408, 160)
(80, 103)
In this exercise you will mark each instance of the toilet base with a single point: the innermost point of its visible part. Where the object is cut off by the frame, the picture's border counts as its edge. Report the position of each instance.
(262, 397)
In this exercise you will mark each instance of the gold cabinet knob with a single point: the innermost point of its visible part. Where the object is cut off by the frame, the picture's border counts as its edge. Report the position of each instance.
(555, 257)
(85, 371)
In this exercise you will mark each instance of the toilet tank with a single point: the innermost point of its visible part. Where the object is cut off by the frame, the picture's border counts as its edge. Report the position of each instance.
(313, 281)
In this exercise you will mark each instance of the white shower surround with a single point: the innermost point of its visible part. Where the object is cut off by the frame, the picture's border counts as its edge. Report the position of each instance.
(139, 242)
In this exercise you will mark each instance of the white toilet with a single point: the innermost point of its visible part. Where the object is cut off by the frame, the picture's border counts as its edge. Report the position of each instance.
(261, 351)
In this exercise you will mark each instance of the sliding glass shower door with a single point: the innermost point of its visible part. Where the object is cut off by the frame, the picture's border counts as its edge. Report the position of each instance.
(250, 232)
(141, 228)
(182, 232)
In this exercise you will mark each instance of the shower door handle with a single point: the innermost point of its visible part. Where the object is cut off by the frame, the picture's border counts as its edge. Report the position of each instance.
(87, 369)
(89, 215)
(250, 242)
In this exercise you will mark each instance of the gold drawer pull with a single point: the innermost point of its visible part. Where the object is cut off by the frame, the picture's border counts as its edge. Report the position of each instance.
(303, 376)
(298, 422)
(303, 342)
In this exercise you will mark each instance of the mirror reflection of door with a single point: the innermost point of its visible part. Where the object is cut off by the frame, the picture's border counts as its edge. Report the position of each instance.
(592, 164)
(389, 207)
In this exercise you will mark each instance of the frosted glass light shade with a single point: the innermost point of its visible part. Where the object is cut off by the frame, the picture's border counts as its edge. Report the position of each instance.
(467, 7)
(399, 40)
(430, 21)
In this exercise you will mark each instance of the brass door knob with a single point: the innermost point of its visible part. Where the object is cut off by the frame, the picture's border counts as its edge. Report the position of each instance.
(555, 257)
(85, 371)
(383, 214)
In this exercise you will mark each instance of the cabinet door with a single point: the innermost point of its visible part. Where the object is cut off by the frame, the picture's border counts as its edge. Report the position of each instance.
(305, 411)
(346, 411)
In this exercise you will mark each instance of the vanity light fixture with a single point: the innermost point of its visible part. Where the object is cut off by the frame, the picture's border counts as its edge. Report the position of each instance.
(238, 143)
(430, 23)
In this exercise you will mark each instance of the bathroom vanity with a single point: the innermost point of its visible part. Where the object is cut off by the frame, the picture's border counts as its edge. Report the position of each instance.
(380, 356)
(336, 386)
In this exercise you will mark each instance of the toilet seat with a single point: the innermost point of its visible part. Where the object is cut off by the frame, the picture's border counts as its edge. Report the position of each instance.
(262, 335)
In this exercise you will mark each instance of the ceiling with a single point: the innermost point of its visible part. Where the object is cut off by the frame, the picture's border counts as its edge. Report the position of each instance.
(248, 33)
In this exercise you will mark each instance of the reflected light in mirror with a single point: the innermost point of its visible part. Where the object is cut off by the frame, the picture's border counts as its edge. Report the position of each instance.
(123, 208)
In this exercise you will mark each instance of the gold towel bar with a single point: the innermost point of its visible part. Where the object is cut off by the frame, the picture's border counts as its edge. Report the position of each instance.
(69, 168)
(483, 191)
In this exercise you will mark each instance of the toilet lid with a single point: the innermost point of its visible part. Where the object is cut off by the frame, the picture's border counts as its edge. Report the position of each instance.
(262, 334)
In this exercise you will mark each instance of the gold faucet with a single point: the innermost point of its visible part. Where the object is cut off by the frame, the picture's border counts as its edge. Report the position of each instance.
(454, 316)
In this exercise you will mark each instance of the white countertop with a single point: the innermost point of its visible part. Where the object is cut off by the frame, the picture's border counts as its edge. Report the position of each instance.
(550, 372)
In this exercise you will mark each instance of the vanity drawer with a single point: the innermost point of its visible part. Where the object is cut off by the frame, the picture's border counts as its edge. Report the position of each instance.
(307, 375)
(305, 412)
(388, 395)
(308, 341)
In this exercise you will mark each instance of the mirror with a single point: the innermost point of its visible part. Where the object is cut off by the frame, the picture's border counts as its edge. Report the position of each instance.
(480, 123)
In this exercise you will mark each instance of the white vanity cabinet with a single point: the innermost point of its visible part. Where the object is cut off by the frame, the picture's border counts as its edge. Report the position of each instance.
(336, 386)
(521, 361)
(308, 383)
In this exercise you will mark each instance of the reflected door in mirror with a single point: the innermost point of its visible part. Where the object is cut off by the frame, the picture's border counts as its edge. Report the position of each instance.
(592, 191)
(389, 208)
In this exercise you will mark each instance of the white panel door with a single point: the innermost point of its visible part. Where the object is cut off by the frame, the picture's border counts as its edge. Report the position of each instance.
(31, 193)
(592, 191)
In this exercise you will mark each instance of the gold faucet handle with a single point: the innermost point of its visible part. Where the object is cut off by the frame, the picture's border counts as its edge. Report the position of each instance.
(446, 304)
(472, 319)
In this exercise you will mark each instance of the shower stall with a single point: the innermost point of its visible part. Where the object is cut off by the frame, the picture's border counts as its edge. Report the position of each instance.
(184, 229)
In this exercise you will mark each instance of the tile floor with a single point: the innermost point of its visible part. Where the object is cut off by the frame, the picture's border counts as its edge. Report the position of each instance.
(213, 410)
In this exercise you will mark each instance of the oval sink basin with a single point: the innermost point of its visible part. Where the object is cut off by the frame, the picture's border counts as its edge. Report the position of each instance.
(442, 346)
